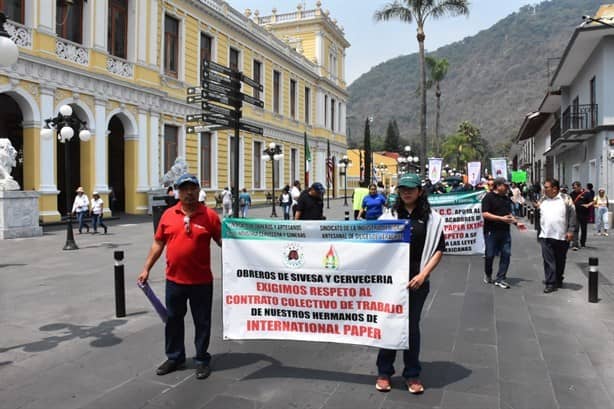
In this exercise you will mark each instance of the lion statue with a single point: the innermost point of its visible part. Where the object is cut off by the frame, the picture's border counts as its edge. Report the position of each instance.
(7, 163)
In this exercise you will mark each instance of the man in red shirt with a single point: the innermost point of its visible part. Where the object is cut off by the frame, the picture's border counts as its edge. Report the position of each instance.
(186, 230)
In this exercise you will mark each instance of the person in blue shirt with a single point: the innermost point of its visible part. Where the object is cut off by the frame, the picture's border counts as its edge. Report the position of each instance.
(372, 204)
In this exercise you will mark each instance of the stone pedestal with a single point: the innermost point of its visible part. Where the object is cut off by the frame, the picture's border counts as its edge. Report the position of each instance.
(19, 214)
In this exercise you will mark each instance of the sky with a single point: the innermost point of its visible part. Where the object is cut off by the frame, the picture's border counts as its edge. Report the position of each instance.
(373, 43)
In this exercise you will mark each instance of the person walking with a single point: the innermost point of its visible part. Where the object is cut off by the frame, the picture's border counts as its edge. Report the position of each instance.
(600, 203)
(186, 230)
(496, 210)
(81, 207)
(226, 202)
(373, 204)
(96, 212)
(295, 192)
(310, 204)
(517, 199)
(285, 201)
(357, 198)
(557, 224)
(202, 196)
(582, 200)
(245, 202)
(426, 249)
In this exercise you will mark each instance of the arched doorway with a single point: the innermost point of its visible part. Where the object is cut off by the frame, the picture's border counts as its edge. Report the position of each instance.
(116, 165)
(11, 127)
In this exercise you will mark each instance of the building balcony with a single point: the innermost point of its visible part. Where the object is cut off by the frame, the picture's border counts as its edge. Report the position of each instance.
(579, 120)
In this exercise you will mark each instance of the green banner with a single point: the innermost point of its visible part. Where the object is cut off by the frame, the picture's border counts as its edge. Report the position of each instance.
(519, 176)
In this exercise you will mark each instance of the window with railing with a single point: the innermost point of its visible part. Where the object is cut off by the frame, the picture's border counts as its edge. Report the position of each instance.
(276, 91)
(293, 99)
(206, 49)
(13, 9)
(579, 116)
(257, 76)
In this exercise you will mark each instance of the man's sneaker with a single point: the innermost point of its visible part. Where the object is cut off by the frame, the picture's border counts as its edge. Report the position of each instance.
(575, 248)
(487, 279)
(169, 366)
(549, 289)
(502, 284)
(382, 384)
(605, 234)
(414, 386)
(202, 371)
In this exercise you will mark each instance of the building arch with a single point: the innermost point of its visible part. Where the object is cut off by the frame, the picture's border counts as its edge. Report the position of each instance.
(121, 127)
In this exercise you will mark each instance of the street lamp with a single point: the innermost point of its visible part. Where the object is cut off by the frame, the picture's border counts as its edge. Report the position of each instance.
(344, 164)
(8, 49)
(64, 125)
(407, 161)
(273, 153)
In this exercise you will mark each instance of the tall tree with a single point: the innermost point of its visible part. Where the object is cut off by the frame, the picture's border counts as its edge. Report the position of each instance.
(368, 156)
(421, 10)
(438, 68)
(393, 138)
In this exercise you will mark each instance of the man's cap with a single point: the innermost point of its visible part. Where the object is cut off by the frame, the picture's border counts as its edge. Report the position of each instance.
(80, 189)
(318, 187)
(500, 181)
(187, 178)
(95, 194)
(410, 180)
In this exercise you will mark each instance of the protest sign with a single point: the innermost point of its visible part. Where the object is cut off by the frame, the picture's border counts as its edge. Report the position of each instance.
(463, 223)
(328, 281)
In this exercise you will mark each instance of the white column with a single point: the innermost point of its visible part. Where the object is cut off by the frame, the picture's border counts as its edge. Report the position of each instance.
(142, 185)
(154, 149)
(141, 33)
(100, 146)
(47, 157)
(181, 142)
(45, 21)
(101, 10)
(320, 170)
(320, 51)
(153, 34)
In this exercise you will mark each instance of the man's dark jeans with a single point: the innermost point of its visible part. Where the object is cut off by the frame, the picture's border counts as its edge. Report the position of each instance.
(498, 242)
(554, 253)
(385, 357)
(581, 229)
(177, 297)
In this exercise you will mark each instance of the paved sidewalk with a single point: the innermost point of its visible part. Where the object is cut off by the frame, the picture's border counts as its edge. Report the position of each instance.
(482, 347)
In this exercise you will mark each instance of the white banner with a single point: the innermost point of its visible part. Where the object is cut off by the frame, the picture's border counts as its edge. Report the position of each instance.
(499, 167)
(435, 169)
(327, 281)
(473, 172)
(463, 222)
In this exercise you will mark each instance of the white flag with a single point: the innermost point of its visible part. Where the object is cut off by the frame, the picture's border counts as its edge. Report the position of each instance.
(435, 169)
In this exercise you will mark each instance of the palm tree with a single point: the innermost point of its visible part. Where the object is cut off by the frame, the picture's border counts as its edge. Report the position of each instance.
(420, 10)
(438, 68)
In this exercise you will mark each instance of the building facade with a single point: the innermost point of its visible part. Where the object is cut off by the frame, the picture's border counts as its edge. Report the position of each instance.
(571, 136)
(124, 67)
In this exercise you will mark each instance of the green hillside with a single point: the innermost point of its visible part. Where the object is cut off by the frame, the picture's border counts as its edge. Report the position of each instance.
(495, 77)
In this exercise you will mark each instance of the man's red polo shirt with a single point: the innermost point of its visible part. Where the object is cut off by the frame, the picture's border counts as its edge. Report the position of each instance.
(188, 254)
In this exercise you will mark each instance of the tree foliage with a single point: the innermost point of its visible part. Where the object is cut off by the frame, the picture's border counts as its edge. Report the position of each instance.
(466, 145)
(393, 139)
(368, 155)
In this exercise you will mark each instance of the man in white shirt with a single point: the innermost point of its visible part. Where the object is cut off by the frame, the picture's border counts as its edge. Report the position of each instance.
(80, 207)
(557, 224)
(295, 192)
(96, 213)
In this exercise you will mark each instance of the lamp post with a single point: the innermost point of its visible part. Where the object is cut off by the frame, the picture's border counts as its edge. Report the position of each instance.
(344, 164)
(64, 125)
(273, 153)
(406, 160)
(8, 49)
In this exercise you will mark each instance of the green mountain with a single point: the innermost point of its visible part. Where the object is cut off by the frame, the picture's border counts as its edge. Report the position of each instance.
(495, 77)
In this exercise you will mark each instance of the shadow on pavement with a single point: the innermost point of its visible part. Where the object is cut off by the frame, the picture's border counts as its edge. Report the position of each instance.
(102, 334)
(12, 265)
(438, 374)
(514, 281)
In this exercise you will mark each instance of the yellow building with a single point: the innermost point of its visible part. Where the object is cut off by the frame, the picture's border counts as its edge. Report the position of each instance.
(124, 66)
(385, 168)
